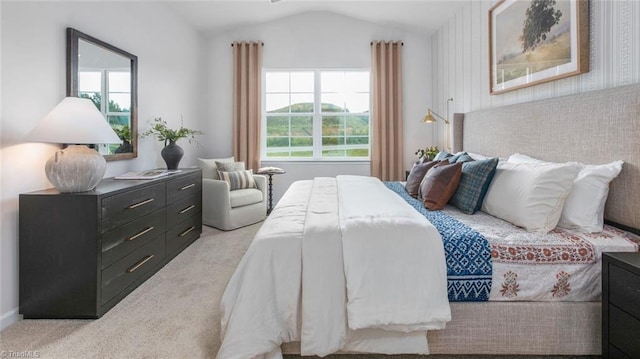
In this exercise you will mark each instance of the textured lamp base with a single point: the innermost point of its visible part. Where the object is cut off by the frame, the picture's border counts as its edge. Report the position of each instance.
(77, 168)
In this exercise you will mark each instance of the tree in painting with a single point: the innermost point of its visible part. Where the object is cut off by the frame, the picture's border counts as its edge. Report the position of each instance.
(541, 16)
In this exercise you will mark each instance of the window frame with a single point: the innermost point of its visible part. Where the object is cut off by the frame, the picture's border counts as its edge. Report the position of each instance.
(317, 147)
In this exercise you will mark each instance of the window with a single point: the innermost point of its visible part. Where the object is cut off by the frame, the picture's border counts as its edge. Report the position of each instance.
(316, 114)
(115, 87)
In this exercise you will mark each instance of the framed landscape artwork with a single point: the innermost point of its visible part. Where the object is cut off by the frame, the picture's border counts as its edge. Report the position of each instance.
(535, 41)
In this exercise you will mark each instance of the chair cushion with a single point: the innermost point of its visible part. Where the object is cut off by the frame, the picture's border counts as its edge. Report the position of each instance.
(244, 197)
(208, 166)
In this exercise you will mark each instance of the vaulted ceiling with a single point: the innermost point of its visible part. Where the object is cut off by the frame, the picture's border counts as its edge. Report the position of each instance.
(217, 15)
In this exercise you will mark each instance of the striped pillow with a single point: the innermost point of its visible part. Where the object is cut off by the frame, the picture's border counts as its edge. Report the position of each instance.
(229, 167)
(238, 179)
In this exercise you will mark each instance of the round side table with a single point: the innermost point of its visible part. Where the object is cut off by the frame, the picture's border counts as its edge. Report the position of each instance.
(269, 173)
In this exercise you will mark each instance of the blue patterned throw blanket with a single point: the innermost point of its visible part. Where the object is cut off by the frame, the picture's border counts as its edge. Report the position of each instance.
(467, 252)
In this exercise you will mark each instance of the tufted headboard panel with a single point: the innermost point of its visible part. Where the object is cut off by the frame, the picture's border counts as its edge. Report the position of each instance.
(594, 128)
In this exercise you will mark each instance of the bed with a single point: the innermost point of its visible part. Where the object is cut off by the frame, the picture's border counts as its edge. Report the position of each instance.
(595, 127)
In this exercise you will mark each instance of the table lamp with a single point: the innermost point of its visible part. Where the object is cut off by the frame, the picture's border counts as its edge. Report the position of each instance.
(77, 122)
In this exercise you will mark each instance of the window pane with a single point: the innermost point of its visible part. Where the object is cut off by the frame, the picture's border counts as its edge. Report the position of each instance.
(334, 102)
(119, 82)
(89, 81)
(277, 103)
(358, 102)
(118, 120)
(364, 140)
(332, 81)
(358, 152)
(302, 142)
(277, 126)
(301, 126)
(332, 125)
(302, 154)
(277, 82)
(119, 102)
(357, 81)
(302, 82)
(302, 103)
(333, 153)
(277, 141)
(358, 126)
(332, 141)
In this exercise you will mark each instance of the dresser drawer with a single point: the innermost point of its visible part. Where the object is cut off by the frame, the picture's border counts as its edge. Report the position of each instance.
(181, 187)
(124, 272)
(625, 332)
(125, 207)
(624, 290)
(125, 239)
(181, 210)
(614, 353)
(184, 233)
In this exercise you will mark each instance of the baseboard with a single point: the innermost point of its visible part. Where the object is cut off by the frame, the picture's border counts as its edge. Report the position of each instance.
(8, 318)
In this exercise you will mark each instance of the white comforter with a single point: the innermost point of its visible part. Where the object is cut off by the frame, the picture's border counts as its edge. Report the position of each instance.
(340, 264)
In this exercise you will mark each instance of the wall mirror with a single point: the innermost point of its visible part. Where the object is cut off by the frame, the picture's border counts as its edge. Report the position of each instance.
(108, 76)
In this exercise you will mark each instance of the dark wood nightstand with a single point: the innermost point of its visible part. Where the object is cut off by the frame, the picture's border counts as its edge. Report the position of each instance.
(621, 305)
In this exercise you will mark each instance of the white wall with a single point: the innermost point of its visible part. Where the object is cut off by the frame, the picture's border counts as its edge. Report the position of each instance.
(318, 40)
(33, 39)
(461, 58)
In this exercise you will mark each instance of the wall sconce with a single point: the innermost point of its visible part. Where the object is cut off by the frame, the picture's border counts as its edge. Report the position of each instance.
(428, 118)
(77, 122)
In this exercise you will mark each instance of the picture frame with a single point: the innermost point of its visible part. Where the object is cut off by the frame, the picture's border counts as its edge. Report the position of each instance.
(529, 45)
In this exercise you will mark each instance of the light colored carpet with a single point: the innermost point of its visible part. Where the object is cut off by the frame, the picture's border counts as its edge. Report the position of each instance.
(174, 314)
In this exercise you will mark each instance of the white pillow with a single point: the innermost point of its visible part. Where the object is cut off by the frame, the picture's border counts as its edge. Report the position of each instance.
(584, 207)
(209, 168)
(530, 195)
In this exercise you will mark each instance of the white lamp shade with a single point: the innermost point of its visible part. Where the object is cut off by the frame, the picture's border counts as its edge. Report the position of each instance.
(74, 121)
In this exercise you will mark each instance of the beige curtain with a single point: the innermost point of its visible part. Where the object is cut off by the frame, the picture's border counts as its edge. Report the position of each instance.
(387, 144)
(247, 107)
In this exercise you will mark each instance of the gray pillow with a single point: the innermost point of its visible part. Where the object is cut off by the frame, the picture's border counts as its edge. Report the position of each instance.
(229, 167)
(208, 166)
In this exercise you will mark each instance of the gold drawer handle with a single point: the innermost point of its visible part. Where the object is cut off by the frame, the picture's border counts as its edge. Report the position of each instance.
(188, 209)
(140, 203)
(187, 186)
(142, 233)
(187, 231)
(140, 263)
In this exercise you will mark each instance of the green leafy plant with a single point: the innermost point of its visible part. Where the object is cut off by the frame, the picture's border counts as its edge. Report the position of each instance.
(123, 132)
(428, 153)
(160, 130)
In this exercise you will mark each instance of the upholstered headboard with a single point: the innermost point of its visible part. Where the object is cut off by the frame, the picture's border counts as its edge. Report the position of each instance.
(594, 128)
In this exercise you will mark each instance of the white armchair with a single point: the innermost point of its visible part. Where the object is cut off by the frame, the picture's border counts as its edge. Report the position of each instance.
(228, 210)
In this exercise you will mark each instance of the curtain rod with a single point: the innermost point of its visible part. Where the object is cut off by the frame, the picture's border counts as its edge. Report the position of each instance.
(401, 42)
(261, 43)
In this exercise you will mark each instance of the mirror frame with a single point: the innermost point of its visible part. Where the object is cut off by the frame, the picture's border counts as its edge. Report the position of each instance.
(73, 36)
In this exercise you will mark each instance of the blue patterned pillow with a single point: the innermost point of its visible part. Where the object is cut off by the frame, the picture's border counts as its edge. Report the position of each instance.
(442, 155)
(454, 158)
(476, 177)
(464, 158)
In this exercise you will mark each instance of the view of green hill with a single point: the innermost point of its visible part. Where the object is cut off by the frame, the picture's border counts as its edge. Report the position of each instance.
(338, 128)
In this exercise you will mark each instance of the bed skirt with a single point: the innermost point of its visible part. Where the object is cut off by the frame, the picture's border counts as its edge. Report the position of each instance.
(516, 328)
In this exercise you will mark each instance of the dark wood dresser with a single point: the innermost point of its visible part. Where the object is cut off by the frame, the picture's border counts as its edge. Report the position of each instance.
(621, 305)
(81, 253)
